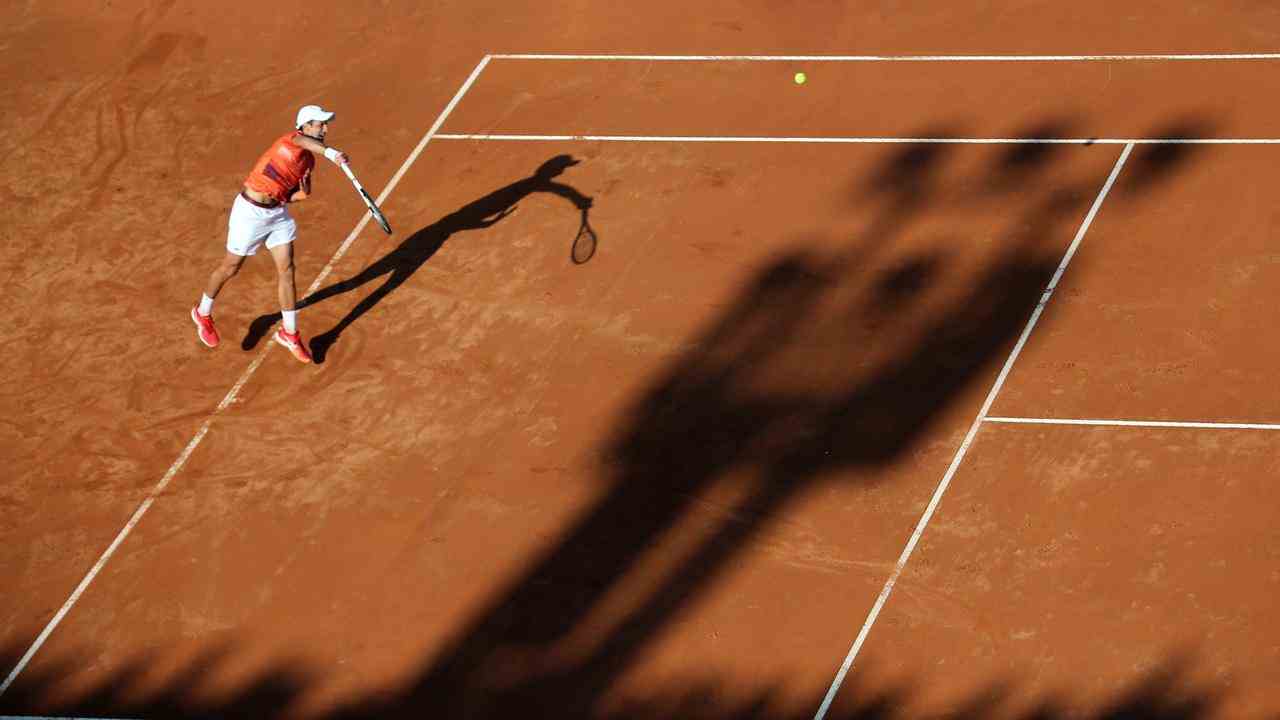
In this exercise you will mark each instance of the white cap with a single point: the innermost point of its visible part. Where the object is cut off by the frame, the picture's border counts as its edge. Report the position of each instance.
(312, 113)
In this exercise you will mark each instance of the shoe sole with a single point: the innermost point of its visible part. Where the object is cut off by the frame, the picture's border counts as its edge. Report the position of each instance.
(199, 335)
(292, 350)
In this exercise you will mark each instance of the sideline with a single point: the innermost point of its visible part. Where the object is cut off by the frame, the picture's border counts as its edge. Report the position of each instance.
(231, 394)
(968, 440)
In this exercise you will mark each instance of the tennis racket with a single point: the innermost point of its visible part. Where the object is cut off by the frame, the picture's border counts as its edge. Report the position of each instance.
(584, 245)
(373, 206)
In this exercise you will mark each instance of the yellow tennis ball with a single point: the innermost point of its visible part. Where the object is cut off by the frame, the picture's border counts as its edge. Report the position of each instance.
(800, 78)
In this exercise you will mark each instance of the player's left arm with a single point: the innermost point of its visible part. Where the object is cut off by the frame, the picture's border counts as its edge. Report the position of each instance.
(304, 188)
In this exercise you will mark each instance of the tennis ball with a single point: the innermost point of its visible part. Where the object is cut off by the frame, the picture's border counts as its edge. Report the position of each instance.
(800, 78)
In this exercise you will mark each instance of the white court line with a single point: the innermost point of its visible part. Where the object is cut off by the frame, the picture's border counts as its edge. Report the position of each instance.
(231, 394)
(49, 717)
(968, 439)
(855, 140)
(1135, 423)
(892, 58)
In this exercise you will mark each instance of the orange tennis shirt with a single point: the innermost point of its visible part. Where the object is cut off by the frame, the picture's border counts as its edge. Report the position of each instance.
(281, 170)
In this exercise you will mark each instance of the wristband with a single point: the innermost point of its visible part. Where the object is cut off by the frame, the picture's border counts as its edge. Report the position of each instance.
(332, 154)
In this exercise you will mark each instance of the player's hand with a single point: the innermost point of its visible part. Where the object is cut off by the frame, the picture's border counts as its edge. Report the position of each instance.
(336, 156)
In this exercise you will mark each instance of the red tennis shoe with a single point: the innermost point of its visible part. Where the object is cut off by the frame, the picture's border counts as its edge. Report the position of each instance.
(293, 341)
(204, 328)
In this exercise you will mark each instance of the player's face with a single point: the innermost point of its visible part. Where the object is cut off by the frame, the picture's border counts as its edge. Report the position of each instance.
(316, 129)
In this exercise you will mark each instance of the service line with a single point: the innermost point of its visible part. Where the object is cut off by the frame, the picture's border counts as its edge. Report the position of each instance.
(968, 440)
(1134, 423)
(231, 394)
(894, 58)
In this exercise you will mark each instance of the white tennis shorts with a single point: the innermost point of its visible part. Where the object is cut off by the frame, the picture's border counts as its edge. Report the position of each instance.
(250, 226)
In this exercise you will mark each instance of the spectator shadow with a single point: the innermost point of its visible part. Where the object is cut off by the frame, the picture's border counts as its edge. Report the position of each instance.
(729, 408)
(830, 364)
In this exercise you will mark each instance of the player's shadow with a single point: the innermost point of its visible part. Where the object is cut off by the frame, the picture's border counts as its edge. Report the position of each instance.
(401, 263)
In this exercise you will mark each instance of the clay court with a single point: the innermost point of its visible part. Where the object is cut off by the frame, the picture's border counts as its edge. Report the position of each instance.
(938, 385)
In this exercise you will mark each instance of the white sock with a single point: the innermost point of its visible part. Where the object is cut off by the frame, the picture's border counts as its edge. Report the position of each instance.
(206, 305)
(290, 321)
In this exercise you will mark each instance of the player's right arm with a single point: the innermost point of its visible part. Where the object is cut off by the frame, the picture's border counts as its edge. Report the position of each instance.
(336, 156)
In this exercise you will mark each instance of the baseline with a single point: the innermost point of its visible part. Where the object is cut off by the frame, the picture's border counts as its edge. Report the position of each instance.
(51, 717)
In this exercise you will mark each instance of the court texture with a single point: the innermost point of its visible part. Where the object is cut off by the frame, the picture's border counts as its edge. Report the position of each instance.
(939, 385)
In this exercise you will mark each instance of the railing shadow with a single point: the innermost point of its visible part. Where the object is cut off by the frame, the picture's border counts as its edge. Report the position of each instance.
(1172, 690)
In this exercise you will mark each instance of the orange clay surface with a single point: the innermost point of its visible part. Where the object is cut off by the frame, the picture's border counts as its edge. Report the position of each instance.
(671, 481)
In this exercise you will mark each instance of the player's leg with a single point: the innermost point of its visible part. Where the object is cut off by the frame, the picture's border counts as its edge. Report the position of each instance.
(202, 314)
(245, 233)
(286, 291)
(280, 245)
(227, 269)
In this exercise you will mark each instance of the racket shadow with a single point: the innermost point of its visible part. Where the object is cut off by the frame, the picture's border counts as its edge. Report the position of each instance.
(404, 260)
(584, 243)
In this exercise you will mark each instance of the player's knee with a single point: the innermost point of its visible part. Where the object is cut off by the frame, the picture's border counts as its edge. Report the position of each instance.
(231, 266)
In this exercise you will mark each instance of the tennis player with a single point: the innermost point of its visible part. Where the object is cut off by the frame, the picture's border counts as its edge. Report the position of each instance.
(260, 217)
